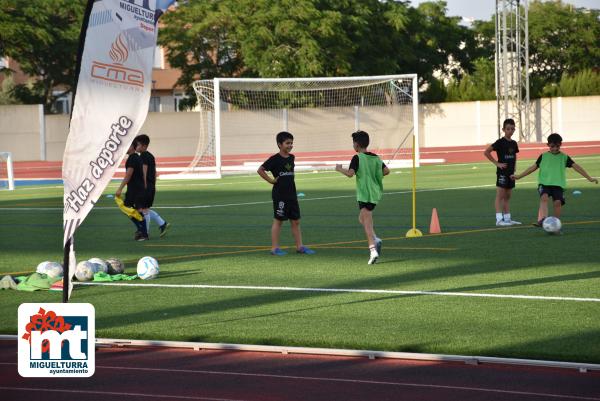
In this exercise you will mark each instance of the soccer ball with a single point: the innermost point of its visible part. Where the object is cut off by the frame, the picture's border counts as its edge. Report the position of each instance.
(99, 265)
(552, 225)
(115, 266)
(147, 268)
(84, 271)
(41, 268)
(52, 269)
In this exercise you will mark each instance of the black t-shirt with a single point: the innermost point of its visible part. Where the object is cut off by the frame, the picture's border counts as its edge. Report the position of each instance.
(282, 167)
(355, 160)
(148, 159)
(507, 153)
(136, 181)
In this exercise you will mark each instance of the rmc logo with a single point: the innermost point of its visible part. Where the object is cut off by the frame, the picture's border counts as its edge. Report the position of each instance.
(116, 72)
(56, 340)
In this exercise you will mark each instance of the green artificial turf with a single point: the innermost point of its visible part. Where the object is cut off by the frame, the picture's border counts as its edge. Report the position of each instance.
(220, 236)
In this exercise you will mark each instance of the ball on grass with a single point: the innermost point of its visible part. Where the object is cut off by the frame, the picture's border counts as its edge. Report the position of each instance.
(115, 266)
(147, 268)
(84, 271)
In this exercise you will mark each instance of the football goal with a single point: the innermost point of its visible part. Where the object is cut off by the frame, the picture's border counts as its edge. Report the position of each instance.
(239, 118)
(7, 179)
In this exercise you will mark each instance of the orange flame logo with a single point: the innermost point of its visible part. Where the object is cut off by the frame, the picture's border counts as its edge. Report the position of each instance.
(118, 51)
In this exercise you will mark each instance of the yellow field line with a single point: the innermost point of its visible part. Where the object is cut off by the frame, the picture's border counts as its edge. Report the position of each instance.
(206, 246)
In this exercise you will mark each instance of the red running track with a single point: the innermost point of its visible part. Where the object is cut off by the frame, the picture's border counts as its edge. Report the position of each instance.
(461, 154)
(147, 373)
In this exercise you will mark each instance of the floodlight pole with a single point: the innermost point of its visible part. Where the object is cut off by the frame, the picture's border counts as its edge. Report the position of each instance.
(512, 65)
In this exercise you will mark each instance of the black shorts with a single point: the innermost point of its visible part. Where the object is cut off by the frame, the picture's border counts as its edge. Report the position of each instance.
(149, 198)
(134, 198)
(553, 191)
(366, 205)
(286, 209)
(504, 181)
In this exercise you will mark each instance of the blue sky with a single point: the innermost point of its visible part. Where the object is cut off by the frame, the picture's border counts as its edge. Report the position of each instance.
(484, 9)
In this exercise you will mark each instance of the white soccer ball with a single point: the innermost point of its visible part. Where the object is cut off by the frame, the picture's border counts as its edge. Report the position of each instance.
(84, 271)
(52, 269)
(552, 225)
(99, 265)
(41, 268)
(115, 266)
(147, 268)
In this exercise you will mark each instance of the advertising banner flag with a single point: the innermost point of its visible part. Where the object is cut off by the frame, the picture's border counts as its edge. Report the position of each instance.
(116, 55)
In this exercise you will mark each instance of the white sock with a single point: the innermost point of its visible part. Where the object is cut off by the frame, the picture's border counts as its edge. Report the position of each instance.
(147, 220)
(156, 217)
(507, 217)
(498, 217)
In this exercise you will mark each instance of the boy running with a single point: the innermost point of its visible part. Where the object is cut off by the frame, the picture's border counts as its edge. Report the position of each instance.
(285, 200)
(369, 170)
(506, 150)
(552, 178)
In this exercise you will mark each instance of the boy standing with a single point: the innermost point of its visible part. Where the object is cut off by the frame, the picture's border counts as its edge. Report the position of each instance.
(552, 178)
(506, 150)
(369, 170)
(149, 170)
(285, 200)
(134, 197)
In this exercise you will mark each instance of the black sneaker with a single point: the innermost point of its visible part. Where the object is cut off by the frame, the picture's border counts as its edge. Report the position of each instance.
(164, 228)
(539, 223)
(142, 237)
(137, 235)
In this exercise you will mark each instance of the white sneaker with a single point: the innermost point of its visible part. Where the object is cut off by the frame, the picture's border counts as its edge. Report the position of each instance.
(373, 258)
(502, 223)
(514, 223)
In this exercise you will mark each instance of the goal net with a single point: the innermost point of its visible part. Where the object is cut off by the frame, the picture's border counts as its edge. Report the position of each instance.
(7, 180)
(239, 118)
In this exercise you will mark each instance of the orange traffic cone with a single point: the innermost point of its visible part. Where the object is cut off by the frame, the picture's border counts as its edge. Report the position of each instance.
(434, 227)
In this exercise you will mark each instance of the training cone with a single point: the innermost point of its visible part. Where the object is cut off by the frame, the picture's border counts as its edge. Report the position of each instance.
(434, 227)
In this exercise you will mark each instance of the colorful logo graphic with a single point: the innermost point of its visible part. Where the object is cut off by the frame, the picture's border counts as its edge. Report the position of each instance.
(116, 72)
(56, 340)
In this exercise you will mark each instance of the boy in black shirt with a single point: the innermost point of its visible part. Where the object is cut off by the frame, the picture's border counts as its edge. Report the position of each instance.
(506, 149)
(134, 197)
(285, 201)
(149, 170)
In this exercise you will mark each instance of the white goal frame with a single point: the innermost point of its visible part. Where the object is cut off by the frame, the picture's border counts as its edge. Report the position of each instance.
(6, 157)
(211, 119)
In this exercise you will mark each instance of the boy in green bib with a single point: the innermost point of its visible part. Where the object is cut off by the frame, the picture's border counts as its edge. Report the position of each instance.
(552, 177)
(369, 171)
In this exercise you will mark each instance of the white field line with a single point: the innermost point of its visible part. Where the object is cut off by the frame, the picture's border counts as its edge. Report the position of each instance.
(349, 290)
(270, 202)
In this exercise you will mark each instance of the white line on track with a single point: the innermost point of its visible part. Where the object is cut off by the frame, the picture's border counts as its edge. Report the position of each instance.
(350, 290)
(309, 378)
(115, 393)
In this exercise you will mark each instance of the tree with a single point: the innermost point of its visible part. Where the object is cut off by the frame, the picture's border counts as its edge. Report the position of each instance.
(582, 83)
(307, 38)
(562, 39)
(479, 85)
(43, 37)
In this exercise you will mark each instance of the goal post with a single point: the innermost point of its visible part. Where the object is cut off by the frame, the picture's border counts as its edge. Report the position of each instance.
(239, 118)
(7, 179)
